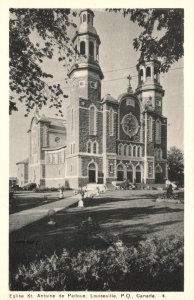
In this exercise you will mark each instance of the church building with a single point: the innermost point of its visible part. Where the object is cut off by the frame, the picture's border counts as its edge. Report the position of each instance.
(103, 139)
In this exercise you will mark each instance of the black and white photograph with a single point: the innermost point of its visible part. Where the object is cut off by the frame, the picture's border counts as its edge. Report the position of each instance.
(96, 152)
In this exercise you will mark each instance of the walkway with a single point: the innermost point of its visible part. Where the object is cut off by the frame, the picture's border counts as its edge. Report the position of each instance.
(25, 217)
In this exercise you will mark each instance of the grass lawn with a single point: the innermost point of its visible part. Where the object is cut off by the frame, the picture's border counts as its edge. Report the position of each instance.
(131, 215)
(26, 200)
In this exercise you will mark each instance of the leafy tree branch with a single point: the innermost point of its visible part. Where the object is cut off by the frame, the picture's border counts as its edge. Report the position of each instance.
(162, 33)
(27, 77)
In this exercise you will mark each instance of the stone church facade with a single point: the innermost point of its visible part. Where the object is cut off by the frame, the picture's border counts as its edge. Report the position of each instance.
(102, 140)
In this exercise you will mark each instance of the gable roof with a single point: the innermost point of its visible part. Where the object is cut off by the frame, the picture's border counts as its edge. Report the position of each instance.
(108, 97)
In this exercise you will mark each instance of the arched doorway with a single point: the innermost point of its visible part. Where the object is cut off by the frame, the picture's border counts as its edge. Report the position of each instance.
(120, 173)
(92, 173)
(130, 173)
(138, 174)
(158, 174)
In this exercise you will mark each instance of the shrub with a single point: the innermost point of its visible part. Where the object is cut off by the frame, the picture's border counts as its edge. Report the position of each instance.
(153, 264)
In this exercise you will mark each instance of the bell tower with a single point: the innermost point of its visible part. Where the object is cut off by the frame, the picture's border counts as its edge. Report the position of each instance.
(149, 90)
(85, 74)
(154, 132)
(84, 113)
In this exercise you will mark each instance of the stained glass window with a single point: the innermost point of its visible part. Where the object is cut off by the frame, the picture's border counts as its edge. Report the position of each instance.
(158, 131)
(111, 122)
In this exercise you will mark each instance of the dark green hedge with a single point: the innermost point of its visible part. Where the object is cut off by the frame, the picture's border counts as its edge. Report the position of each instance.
(153, 265)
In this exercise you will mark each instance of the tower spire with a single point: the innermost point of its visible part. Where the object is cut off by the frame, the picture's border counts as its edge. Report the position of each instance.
(86, 42)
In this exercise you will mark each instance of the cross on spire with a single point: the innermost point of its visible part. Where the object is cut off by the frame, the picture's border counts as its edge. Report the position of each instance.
(129, 78)
(129, 89)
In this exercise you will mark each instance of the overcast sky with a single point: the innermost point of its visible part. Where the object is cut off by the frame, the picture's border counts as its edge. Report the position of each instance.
(118, 59)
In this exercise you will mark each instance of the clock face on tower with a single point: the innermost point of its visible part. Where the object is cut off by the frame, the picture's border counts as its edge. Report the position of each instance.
(130, 124)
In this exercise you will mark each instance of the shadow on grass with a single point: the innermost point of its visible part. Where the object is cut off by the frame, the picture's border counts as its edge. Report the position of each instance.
(114, 198)
(21, 202)
(39, 239)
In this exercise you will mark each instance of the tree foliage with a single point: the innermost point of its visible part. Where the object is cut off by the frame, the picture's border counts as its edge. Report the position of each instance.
(175, 164)
(36, 35)
(162, 34)
(39, 34)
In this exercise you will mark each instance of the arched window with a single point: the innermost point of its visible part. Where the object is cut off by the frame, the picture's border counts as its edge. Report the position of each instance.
(130, 150)
(134, 150)
(111, 122)
(95, 147)
(92, 121)
(150, 129)
(82, 48)
(120, 149)
(89, 147)
(88, 18)
(125, 150)
(91, 48)
(148, 72)
(156, 153)
(158, 131)
(84, 18)
(160, 153)
(97, 52)
(139, 151)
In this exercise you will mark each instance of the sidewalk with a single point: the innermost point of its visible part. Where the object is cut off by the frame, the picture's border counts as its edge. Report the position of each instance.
(25, 217)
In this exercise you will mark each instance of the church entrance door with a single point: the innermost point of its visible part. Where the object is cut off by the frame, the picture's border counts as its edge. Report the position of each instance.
(130, 173)
(92, 173)
(138, 177)
(120, 173)
(158, 175)
(92, 176)
(159, 178)
(120, 176)
(138, 174)
(130, 176)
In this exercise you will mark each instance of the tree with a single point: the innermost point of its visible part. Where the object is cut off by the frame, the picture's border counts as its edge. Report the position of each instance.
(162, 35)
(28, 80)
(175, 160)
(35, 35)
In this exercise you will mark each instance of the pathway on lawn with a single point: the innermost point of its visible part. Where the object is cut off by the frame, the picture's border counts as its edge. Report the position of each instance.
(25, 217)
